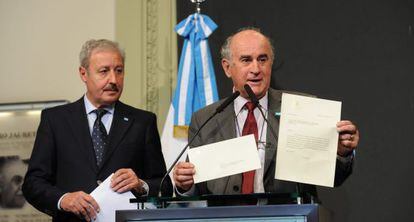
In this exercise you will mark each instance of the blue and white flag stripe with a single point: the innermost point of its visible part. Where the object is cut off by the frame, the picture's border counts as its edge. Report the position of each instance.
(196, 85)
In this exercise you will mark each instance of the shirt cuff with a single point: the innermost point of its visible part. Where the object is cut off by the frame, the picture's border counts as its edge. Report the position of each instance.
(141, 191)
(60, 199)
(187, 193)
(145, 188)
(346, 159)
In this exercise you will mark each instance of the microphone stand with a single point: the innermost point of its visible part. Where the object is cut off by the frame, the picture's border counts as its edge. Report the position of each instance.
(218, 110)
(182, 152)
(254, 99)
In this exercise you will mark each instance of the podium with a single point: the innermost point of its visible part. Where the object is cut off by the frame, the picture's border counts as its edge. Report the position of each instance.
(213, 209)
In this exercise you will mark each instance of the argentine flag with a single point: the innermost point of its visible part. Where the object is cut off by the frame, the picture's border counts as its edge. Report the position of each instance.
(196, 83)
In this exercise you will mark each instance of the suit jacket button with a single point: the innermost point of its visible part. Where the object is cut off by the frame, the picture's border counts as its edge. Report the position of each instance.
(236, 188)
(99, 182)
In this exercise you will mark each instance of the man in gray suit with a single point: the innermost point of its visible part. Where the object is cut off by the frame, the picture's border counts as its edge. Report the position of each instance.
(247, 58)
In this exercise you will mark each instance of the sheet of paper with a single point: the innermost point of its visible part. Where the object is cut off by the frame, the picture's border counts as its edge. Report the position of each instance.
(308, 140)
(224, 158)
(109, 201)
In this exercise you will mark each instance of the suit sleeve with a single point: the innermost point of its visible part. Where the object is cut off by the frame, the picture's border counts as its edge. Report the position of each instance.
(39, 184)
(200, 188)
(194, 126)
(155, 166)
(343, 169)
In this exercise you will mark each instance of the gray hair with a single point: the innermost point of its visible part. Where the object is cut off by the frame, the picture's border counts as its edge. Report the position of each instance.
(104, 44)
(225, 48)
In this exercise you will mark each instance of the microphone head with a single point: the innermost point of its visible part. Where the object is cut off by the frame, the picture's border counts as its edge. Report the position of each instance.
(251, 94)
(227, 101)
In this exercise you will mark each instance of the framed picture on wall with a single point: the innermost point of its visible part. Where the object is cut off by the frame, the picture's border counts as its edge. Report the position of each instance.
(18, 126)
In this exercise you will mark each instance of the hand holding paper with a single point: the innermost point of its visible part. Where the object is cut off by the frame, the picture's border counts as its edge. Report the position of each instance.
(308, 140)
(109, 201)
(218, 160)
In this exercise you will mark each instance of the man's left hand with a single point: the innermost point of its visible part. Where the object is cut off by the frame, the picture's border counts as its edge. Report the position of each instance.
(125, 180)
(348, 137)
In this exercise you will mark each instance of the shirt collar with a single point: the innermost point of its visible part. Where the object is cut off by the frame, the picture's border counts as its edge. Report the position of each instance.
(90, 107)
(240, 101)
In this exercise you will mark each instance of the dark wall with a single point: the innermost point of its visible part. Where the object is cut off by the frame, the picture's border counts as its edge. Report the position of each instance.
(360, 52)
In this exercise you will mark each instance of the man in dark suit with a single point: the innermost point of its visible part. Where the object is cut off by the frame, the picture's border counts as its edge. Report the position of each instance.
(247, 58)
(79, 145)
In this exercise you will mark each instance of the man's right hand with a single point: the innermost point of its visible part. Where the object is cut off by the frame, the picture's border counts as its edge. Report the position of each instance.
(183, 175)
(81, 204)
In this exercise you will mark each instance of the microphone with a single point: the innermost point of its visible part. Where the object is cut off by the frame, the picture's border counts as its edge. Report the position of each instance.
(254, 100)
(251, 94)
(227, 102)
(219, 109)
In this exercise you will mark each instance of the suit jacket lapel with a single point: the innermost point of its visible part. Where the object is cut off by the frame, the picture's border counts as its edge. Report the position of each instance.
(225, 121)
(275, 98)
(78, 122)
(121, 122)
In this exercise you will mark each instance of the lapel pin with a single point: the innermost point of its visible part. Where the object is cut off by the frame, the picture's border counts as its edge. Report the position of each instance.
(126, 119)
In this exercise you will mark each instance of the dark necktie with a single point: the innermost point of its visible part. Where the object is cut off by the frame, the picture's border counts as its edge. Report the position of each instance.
(250, 127)
(99, 136)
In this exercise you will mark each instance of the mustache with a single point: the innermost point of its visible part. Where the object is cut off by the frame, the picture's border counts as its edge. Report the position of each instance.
(111, 87)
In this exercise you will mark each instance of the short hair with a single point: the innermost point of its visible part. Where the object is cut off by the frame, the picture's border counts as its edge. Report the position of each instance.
(225, 48)
(104, 44)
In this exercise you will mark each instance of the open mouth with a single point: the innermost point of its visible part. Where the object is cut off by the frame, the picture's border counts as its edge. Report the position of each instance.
(111, 90)
(254, 81)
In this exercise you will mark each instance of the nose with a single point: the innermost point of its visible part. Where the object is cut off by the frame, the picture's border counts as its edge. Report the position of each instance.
(112, 77)
(255, 67)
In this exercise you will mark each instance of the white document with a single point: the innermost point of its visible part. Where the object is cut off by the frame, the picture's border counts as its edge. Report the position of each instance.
(109, 201)
(224, 158)
(308, 140)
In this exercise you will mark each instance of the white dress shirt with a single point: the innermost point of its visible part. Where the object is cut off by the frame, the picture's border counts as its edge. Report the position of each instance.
(241, 115)
(106, 119)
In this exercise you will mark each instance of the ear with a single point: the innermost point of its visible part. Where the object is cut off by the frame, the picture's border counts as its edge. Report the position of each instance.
(82, 73)
(226, 67)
